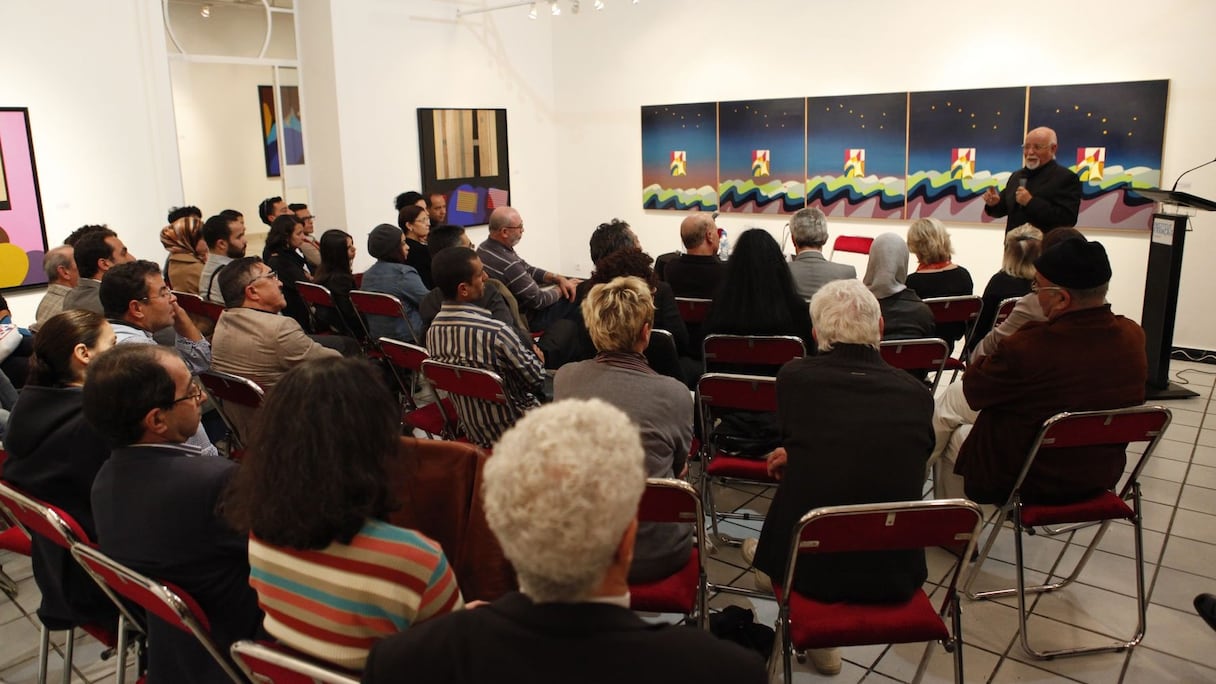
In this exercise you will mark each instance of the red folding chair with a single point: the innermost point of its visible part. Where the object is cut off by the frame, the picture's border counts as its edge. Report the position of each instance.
(1004, 310)
(194, 304)
(1145, 424)
(319, 297)
(721, 351)
(55, 525)
(856, 244)
(693, 310)
(465, 383)
(927, 353)
(269, 663)
(717, 394)
(163, 600)
(964, 309)
(437, 418)
(806, 623)
(13, 538)
(674, 501)
(232, 390)
(380, 304)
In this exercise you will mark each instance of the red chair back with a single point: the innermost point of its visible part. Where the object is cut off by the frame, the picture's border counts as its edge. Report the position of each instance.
(856, 244)
(693, 310)
(275, 664)
(315, 295)
(194, 304)
(964, 309)
(669, 501)
(1092, 428)
(888, 526)
(38, 517)
(752, 350)
(464, 381)
(376, 304)
(1004, 310)
(928, 354)
(737, 392)
(358, 280)
(232, 388)
(403, 354)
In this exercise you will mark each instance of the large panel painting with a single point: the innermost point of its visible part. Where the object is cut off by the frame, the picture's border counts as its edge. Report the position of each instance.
(856, 154)
(680, 156)
(22, 226)
(762, 155)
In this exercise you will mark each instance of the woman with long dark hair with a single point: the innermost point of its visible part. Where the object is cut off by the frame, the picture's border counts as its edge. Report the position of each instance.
(281, 255)
(331, 574)
(54, 455)
(757, 297)
(337, 250)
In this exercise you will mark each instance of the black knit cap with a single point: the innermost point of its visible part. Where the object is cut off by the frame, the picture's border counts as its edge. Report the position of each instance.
(384, 240)
(1075, 264)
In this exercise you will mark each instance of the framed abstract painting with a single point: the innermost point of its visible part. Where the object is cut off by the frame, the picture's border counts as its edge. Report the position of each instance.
(856, 153)
(22, 225)
(680, 156)
(762, 156)
(464, 156)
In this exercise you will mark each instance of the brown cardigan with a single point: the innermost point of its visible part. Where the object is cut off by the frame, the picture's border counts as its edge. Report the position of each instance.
(440, 487)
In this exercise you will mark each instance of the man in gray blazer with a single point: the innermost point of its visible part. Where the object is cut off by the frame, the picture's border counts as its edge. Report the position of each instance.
(809, 232)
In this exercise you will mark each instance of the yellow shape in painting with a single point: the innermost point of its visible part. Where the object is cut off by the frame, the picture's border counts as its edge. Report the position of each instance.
(760, 163)
(14, 265)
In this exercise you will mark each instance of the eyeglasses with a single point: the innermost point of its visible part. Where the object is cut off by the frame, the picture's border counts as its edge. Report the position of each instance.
(267, 274)
(1035, 287)
(162, 293)
(1036, 147)
(195, 393)
(308, 218)
(519, 227)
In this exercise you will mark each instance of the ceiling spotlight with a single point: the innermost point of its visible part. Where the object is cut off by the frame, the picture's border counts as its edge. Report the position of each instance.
(574, 7)
(554, 9)
(532, 12)
(599, 5)
(205, 11)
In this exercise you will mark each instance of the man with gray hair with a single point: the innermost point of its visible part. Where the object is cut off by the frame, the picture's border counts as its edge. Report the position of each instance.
(1044, 193)
(561, 495)
(809, 233)
(61, 275)
(854, 430)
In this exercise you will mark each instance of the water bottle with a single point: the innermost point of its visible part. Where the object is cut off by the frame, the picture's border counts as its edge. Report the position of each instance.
(723, 245)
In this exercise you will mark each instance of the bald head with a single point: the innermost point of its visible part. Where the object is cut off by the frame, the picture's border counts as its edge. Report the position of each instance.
(699, 234)
(506, 226)
(1039, 147)
(503, 216)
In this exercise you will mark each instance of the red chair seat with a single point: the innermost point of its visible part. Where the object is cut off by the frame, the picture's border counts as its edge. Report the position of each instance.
(428, 418)
(676, 593)
(15, 540)
(733, 466)
(953, 364)
(1105, 506)
(825, 625)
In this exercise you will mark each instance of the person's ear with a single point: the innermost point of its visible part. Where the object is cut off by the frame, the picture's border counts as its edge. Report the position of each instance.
(81, 354)
(882, 326)
(624, 549)
(154, 422)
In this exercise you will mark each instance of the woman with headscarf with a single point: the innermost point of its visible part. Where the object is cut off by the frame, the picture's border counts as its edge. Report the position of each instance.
(187, 253)
(904, 315)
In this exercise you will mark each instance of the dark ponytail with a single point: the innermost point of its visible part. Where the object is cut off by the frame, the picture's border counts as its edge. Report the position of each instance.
(51, 362)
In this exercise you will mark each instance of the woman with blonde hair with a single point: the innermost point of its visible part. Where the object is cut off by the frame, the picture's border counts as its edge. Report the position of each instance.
(936, 273)
(1023, 245)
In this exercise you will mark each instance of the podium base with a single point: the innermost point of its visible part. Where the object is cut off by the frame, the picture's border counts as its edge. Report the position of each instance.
(1170, 391)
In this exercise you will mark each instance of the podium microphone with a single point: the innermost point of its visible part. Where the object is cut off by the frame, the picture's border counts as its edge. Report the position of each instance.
(1190, 170)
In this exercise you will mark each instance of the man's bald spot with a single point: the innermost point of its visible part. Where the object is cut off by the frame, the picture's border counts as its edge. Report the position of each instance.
(694, 228)
(502, 217)
(1043, 134)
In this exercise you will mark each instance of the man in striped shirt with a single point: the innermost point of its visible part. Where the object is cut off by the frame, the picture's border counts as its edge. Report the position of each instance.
(466, 334)
(541, 306)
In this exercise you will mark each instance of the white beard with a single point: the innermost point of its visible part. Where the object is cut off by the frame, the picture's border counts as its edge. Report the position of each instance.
(1032, 164)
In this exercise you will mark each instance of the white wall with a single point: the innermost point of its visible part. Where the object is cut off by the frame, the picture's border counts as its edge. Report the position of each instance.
(391, 57)
(610, 63)
(100, 113)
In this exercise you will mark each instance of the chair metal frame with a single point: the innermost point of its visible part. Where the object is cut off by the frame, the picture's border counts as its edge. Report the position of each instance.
(227, 387)
(693, 310)
(262, 661)
(1004, 310)
(964, 309)
(881, 527)
(853, 244)
(410, 357)
(56, 525)
(668, 500)
(371, 303)
(750, 350)
(924, 353)
(1072, 429)
(465, 381)
(315, 295)
(195, 304)
(171, 601)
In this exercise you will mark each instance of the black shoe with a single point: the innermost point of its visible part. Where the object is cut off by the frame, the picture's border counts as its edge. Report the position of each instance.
(1205, 605)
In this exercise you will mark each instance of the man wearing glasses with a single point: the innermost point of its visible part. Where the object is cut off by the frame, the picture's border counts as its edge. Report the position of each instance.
(138, 303)
(542, 307)
(1043, 193)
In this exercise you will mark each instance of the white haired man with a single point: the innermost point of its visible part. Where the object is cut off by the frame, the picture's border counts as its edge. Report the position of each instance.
(61, 275)
(1044, 193)
(809, 233)
(854, 430)
(561, 494)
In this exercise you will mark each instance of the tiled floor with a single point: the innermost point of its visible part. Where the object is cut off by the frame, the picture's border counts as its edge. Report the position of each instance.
(1180, 547)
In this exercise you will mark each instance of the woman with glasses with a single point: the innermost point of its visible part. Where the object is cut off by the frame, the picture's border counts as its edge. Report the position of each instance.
(54, 454)
(416, 224)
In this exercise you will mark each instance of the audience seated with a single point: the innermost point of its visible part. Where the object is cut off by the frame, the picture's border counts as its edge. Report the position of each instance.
(282, 256)
(1022, 246)
(183, 238)
(271, 208)
(408, 198)
(904, 315)
(619, 317)
(415, 222)
(332, 575)
(541, 307)
(465, 334)
(138, 303)
(437, 208)
(809, 233)
(936, 274)
(224, 234)
(61, 276)
(698, 272)
(1083, 357)
(155, 504)
(391, 275)
(16, 347)
(561, 494)
(310, 247)
(854, 430)
(54, 454)
(337, 253)
(96, 251)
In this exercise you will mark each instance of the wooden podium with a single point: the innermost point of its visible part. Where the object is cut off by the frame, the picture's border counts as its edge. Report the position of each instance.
(1161, 286)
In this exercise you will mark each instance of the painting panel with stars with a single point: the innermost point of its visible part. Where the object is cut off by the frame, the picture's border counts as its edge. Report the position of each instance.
(960, 143)
(762, 155)
(680, 156)
(856, 154)
(1111, 135)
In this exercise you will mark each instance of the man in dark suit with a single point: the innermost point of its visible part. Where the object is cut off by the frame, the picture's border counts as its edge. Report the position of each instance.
(698, 272)
(154, 503)
(571, 541)
(1044, 193)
